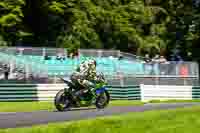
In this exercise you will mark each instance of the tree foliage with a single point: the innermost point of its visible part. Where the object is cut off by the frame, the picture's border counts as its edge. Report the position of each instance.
(134, 26)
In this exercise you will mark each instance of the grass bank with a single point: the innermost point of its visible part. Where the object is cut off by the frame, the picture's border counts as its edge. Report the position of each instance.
(174, 101)
(35, 106)
(168, 121)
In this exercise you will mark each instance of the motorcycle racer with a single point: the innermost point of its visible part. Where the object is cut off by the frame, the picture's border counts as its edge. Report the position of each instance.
(86, 76)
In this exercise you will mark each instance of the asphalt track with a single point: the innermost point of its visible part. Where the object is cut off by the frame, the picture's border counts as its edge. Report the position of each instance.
(24, 119)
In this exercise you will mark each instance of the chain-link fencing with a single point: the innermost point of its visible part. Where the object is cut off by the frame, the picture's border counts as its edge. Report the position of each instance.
(40, 65)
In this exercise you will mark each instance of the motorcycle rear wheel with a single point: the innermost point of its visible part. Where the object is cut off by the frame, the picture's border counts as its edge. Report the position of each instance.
(62, 102)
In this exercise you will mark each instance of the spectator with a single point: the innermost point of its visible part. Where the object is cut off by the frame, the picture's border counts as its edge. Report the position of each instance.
(6, 71)
(176, 56)
(148, 68)
(111, 57)
(68, 55)
(184, 70)
(72, 55)
(120, 57)
(156, 59)
(147, 58)
(162, 59)
(46, 57)
(76, 54)
(189, 56)
(163, 65)
(155, 64)
(60, 56)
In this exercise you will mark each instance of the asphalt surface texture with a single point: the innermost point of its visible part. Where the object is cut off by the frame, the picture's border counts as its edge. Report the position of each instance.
(26, 119)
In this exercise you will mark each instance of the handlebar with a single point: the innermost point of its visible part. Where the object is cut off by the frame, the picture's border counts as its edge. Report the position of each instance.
(65, 81)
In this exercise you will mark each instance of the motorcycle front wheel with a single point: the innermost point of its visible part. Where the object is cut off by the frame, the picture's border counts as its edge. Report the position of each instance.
(102, 100)
(62, 101)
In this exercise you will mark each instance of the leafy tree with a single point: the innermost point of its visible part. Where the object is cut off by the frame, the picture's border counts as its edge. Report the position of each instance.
(11, 16)
(134, 26)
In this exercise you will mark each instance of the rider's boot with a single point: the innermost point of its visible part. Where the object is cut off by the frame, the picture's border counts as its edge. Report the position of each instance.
(94, 95)
(76, 98)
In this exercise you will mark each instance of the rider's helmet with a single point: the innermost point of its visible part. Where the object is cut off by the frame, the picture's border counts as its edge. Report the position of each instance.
(92, 62)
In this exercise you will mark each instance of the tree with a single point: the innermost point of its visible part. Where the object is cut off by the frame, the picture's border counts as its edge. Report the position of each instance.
(10, 20)
(134, 26)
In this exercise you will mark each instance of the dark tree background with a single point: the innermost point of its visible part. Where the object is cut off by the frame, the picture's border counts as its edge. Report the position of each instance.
(135, 26)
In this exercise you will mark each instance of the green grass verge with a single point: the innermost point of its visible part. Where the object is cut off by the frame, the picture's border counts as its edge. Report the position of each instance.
(167, 121)
(25, 106)
(35, 106)
(174, 101)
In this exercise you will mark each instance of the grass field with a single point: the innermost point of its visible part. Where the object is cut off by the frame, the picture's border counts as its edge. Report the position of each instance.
(174, 101)
(167, 121)
(35, 106)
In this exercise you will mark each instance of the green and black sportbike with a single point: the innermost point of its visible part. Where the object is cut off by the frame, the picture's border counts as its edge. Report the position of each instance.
(98, 96)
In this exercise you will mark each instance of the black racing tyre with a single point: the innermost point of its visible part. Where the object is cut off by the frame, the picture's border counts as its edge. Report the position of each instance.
(62, 101)
(102, 100)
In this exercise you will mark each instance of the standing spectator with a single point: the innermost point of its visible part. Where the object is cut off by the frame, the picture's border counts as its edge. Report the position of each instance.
(176, 61)
(162, 59)
(163, 65)
(176, 55)
(158, 64)
(70, 55)
(184, 70)
(46, 57)
(147, 65)
(155, 64)
(76, 54)
(120, 57)
(156, 59)
(189, 56)
(60, 56)
(6, 71)
(147, 58)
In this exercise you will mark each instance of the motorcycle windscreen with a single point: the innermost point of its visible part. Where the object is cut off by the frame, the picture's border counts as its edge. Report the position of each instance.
(100, 90)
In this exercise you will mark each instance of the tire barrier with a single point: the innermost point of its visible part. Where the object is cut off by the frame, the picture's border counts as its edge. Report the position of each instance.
(196, 92)
(126, 93)
(47, 92)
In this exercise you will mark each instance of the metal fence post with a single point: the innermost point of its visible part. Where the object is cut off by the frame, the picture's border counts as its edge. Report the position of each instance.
(43, 52)
(11, 67)
(26, 71)
(20, 51)
(177, 68)
(119, 53)
(66, 52)
(121, 80)
(100, 53)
